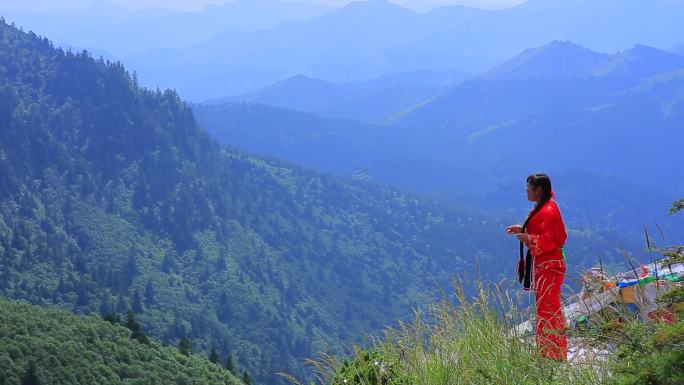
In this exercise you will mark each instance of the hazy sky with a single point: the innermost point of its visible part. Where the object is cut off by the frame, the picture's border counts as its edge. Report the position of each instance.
(23, 5)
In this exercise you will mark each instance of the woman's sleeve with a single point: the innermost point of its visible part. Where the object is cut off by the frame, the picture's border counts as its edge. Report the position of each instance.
(551, 235)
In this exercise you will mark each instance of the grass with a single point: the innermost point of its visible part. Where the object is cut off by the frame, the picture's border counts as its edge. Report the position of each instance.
(457, 340)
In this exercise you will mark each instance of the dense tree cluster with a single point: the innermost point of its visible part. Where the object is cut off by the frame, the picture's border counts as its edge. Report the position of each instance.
(51, 346)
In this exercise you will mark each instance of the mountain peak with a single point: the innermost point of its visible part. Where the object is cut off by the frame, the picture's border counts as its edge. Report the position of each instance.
(282, 91)
(643, 61)
(641, 49)
(301, 79)
(557, 59)
(560, 47)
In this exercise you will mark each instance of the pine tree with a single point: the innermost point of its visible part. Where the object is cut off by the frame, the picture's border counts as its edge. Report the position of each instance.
(214, 356)
(185, 346)
(246, 378)
(230, 363)
(136, 330)
(131, 322)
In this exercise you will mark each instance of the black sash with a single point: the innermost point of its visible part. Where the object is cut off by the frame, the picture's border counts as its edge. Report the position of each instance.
(525, 262)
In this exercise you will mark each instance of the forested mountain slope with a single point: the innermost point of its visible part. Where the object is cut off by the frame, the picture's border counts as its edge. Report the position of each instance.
(113, 198)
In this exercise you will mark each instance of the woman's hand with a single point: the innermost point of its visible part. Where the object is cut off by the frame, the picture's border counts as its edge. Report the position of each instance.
(514, 229)
(523, 237)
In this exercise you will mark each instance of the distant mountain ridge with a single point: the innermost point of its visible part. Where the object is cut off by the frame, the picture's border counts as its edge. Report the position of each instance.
(642, 62)
(104, 25)
(558, 59)
(366, 40)
(371, 102)
(550, 69)
(568, 60)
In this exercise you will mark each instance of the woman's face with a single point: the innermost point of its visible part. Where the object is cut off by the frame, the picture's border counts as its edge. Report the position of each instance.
(533, 193)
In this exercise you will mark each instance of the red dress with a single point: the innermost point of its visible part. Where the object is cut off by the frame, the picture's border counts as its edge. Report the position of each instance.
(546, 238)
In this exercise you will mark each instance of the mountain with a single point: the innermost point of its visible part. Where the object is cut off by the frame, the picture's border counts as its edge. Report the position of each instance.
(468, 145)
(106, 26)
(553, 77)
(66, 349)
(372, 101)
(551, 61)
(112, 198)
(337, 44)
(366, 40)
(642, 62)
(568, 60)
(575, 76)
(295, 90)
(607, 115)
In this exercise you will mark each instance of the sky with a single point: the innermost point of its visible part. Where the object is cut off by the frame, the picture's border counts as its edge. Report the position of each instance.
(50, 5)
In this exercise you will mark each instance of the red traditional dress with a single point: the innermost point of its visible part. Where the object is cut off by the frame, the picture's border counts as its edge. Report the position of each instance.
(546, 239)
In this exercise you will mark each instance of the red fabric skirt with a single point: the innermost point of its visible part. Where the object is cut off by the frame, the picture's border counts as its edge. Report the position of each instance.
(549, 272)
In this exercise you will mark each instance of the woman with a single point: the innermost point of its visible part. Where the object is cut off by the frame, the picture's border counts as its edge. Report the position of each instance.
(544, 235)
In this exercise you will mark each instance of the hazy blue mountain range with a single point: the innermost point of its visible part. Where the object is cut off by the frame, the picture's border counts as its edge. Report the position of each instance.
(370, 101)
(476, 141)
(113, 198)
(629, 111)
(365, 40)
(120, 31)
(386, 98)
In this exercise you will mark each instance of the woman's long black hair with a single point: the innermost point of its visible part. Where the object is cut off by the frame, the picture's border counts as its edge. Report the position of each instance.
(525, 263)
(540, 180)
